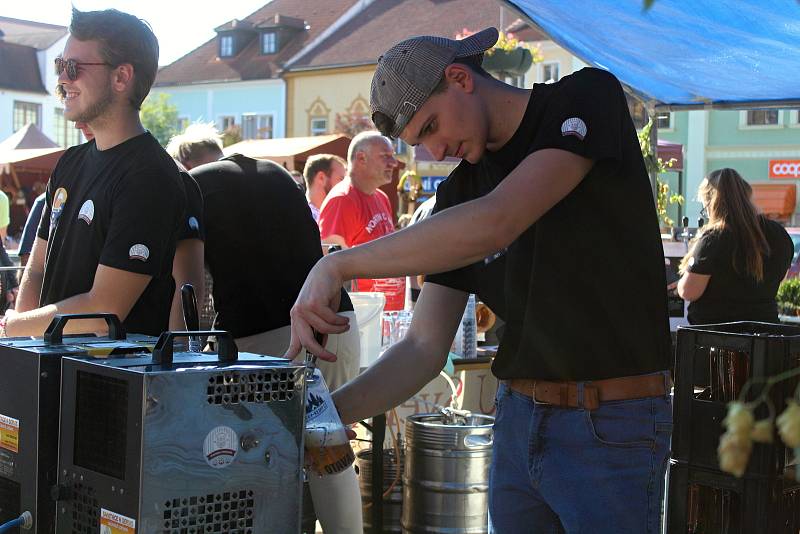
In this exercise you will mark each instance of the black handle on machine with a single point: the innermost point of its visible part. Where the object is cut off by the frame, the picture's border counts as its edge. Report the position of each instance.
(55, 332)
(226, 346)
(189, 301)
(190, 316)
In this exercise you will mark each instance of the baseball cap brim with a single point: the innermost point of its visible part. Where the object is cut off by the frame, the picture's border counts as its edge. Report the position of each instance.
(477, 43)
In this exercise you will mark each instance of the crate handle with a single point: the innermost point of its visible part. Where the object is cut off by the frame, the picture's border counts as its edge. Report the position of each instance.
(226, 346)
(55, 332)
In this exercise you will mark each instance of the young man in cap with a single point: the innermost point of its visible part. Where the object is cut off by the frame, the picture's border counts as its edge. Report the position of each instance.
(583, 410)
(114, 205)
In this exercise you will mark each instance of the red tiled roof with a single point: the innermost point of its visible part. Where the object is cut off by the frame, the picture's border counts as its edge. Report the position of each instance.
(29, 33)
(203, 64)
(386, 22)
(21, 61)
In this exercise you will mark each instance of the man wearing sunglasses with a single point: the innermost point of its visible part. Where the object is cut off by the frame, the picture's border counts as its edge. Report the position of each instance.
(115, 204)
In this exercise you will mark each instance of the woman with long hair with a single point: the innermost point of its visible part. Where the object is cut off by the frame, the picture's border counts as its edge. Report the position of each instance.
(738, 259)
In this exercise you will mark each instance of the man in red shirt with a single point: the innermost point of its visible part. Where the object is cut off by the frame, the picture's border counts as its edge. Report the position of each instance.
(356, 211)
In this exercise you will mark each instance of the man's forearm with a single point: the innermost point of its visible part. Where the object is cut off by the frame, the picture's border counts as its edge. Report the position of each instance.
(404, 365)
(35, 322)
(30, 289)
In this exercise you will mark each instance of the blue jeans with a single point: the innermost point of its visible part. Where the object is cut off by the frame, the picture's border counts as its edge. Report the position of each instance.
(570, 470)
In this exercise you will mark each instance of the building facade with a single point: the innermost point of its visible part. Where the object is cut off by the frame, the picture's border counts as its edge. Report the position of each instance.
(27, 86)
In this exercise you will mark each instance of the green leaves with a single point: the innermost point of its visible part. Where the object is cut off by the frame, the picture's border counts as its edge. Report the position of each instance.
(160, 117)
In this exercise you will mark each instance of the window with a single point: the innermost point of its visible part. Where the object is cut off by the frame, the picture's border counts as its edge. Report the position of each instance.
(226, 46)
(319, 126)
(182, 123)
(762, 117)
(66, 133)
(400, 147)
(226, 121)
(26, 112)
(550, 72)
(516, 81)
(256, 126)
(664, 121)
(269, 43)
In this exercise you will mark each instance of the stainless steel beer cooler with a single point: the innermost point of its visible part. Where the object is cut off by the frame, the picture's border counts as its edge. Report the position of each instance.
(30, 370)
(181, 443)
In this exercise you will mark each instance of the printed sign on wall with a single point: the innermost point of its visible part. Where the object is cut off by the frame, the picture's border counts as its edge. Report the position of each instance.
(781, 169)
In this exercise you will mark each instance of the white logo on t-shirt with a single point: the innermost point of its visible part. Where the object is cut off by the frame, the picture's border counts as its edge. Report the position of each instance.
(575, 127)
(86, 214)
(193, 224)
(139, 252)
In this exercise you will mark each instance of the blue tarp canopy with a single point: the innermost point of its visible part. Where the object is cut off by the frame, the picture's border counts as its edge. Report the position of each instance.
(684, 54)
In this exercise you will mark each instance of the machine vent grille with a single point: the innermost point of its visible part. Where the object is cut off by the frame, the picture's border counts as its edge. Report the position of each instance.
(230, 512)
(256, 387)
(9, 499)
(85, 509)
(101, 424)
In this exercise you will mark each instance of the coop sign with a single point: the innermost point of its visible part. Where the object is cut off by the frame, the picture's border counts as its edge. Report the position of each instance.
(784, 168)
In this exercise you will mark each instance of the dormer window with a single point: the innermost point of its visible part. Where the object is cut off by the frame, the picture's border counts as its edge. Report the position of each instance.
(269, 43)
(226, 46)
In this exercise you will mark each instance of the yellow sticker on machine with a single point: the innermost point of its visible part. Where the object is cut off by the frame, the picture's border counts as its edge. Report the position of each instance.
(111, 523)
(9, 433)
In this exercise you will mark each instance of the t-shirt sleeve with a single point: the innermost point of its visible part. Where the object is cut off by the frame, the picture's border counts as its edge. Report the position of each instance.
(146, 208)
(457, 278)
(586, 117)
(707, 254)
(192, 226)
(31, 226)
(338, 217)
(44, 220)
(5, 217)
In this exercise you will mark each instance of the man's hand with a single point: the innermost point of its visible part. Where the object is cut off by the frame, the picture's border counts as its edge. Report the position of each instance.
(315, 310)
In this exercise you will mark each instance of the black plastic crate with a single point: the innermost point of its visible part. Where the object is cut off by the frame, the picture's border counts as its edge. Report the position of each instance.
(701, 501)
(713, 364)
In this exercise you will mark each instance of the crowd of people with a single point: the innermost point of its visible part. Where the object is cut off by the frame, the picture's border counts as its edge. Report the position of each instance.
(584, 396)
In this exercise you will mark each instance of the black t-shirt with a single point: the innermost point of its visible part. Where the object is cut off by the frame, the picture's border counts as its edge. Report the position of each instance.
(583, 289)
(735, 296)
(121, 207)
(192, 226)
(261, 242)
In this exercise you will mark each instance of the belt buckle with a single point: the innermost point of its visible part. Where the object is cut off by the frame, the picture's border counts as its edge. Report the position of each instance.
(533, 395)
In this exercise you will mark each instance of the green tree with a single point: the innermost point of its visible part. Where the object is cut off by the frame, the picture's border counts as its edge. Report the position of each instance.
(160, 117)
(656, 165)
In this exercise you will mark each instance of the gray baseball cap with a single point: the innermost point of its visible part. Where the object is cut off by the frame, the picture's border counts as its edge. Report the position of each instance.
(408, 73)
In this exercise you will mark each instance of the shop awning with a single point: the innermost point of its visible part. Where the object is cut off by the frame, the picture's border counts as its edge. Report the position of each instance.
(684, 55)
(776, 201)
(291, 151)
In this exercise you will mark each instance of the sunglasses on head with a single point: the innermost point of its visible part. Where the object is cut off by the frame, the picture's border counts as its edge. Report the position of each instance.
(71, 66)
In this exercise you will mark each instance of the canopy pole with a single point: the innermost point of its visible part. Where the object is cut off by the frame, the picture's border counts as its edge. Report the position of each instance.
(650, 107)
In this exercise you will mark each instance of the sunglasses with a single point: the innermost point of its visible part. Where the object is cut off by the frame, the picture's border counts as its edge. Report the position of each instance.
(71, 66)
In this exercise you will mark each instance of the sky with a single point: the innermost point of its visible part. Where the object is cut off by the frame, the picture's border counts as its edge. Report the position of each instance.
(180, 25)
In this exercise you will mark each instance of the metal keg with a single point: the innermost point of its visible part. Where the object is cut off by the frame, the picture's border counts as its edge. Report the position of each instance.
(446, 476)
(393, 502)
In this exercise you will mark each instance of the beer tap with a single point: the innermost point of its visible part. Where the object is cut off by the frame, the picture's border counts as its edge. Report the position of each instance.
(311, 359)
(685, 233)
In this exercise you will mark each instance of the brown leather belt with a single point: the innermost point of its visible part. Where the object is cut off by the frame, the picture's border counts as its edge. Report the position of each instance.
(565, 394)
